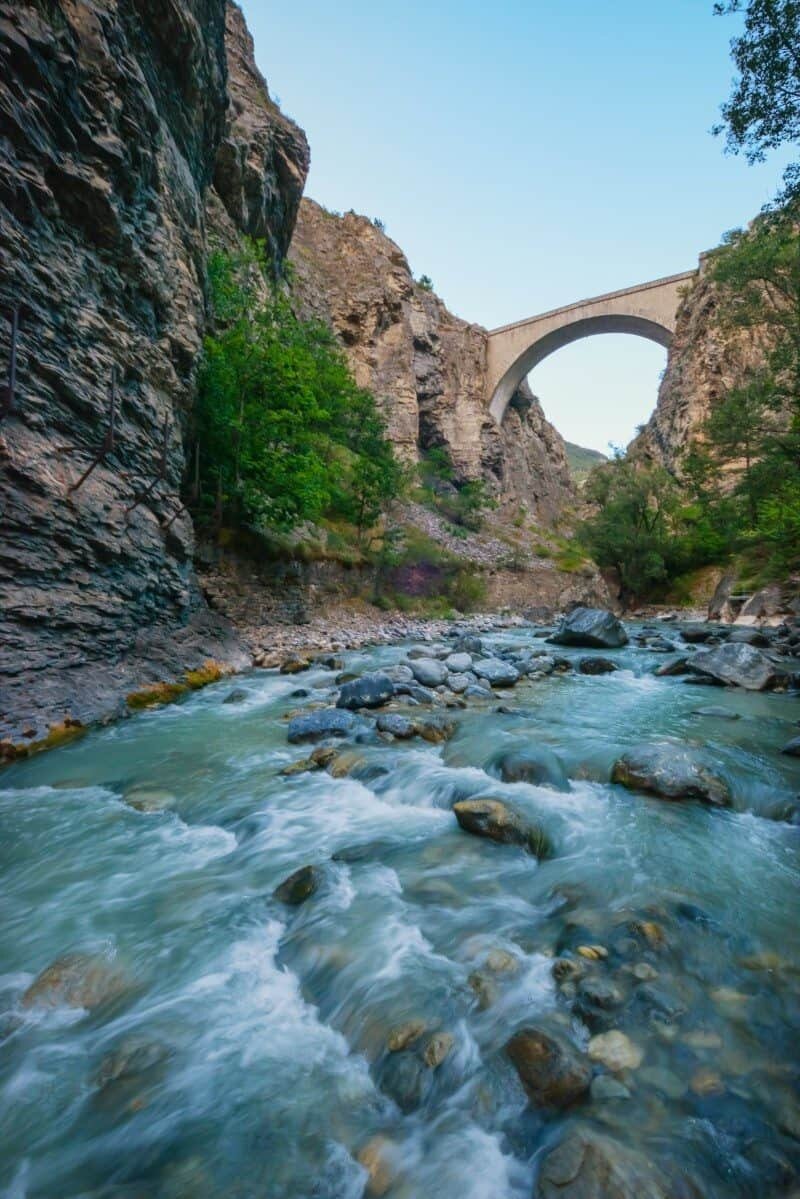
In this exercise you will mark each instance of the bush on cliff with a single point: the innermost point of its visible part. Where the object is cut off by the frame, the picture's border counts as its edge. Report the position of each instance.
(285, 433)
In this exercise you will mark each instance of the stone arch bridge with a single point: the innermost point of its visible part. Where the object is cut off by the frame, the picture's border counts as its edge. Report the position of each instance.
(648, 310)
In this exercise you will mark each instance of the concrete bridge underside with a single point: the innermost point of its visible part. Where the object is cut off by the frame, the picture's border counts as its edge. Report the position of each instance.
(648, 310)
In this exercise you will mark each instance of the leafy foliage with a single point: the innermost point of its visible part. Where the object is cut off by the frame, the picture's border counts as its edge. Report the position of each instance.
(425, 282)
(286, 435)
(763, 111)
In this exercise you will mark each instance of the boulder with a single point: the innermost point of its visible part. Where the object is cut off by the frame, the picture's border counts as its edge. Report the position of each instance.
(592, 627)
(491, 818)
(368, 691)
(313, 726)
(670, 772)
(495, 671)
(458, 683)
(429, 672)
(297, 888)
(597, 666)
(588, 1165)
(237, 696)
(738, 665)
(535, 764)
(552, 1070)
(78, 980)
(792, 748)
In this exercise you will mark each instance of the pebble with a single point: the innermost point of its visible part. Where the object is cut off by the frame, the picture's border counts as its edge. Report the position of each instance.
(594, 953)
(616, 1051)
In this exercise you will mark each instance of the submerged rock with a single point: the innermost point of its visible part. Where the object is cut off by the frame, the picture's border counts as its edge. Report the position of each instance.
(237, 696)
(312, 726)
(298, 887)
(592, 627)
(616, 1051)
(552, 1070)
(675, 666)
(79, 980)
(491, 818)
(369, 691)
(792, 748)
(670, 772)
(407, 1080)
(534, 764)
(589, 1165)
(739, 665)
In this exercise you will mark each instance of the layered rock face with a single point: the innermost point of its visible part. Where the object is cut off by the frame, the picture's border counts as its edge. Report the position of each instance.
(425, 365)
(116, 119)
(704, 362)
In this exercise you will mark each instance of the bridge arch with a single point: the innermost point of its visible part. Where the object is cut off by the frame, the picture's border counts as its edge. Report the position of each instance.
(648, 311)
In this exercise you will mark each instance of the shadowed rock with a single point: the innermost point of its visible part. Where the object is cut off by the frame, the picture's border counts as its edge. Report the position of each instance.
(298, 887)
(592, 627)
(588, 1165)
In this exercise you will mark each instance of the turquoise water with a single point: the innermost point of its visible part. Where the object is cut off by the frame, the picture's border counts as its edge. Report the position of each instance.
(242, 1051)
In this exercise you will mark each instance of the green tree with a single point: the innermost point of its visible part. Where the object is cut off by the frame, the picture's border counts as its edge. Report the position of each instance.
(286, 435)
(763, 110)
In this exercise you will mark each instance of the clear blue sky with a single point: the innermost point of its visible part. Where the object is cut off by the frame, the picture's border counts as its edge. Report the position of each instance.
(525, 155)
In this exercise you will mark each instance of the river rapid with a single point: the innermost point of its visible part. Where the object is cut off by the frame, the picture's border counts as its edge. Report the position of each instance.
(207, 1039)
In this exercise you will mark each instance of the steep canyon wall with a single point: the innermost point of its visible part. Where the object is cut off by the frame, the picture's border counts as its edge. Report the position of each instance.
(117, 123)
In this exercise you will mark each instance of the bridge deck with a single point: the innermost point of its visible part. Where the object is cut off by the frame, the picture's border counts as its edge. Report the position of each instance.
(610, 295)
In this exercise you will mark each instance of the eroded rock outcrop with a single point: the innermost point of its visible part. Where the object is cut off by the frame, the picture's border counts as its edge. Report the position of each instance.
(425, 364)
(705, 361)
(112, 120)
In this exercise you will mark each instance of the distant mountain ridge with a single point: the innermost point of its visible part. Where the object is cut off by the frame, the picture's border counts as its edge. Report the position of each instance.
(582, 460)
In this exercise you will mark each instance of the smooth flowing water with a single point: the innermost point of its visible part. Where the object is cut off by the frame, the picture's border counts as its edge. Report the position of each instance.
(240, 1047)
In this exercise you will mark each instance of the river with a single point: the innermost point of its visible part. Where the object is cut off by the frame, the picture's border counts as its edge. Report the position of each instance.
(236, 1046)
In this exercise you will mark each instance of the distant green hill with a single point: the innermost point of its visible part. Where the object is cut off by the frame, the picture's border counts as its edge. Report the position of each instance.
(581, 461)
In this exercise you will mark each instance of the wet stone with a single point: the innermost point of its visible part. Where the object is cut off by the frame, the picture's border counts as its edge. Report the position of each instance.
(405, 1034)
(552, 1070)
(437, 1049)
(77, 980)
(298, 887)
(491, 818)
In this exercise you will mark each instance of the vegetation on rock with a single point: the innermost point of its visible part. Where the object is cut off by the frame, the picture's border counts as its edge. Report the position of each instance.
(286, 435)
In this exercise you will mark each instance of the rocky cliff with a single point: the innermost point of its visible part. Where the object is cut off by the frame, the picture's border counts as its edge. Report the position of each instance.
(425, 365)
(116, 121)
(705, 360)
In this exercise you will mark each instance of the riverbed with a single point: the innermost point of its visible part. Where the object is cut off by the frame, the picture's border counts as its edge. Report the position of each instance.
(230, 1044)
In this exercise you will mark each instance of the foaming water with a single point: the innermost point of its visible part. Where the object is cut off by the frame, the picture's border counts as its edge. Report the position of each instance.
(199, 1037)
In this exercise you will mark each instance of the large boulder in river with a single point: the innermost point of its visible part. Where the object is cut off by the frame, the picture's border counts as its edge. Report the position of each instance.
(670, 772)
(493, 819)
(535, 764)
(588, 1165)
(368, 691)
(594, 627)
(552, 1070)
(326, 722)
(739, 665)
